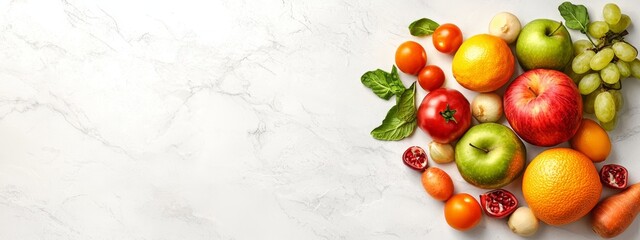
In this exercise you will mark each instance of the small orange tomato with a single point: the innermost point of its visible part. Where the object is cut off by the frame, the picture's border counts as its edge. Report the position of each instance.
(462, 212)
(431, 77)
(411, 57)
(437, 183)
(447, 38)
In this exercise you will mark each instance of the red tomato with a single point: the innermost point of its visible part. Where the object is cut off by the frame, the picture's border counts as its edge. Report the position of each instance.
(444, 114)
(431, 77)
(411, 57)
(447, 38)
(462, 212)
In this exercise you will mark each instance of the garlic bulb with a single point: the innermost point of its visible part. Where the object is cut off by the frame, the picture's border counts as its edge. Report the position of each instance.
(506, 26)
(523, 222)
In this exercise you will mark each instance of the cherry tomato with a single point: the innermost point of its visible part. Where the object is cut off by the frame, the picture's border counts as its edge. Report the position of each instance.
(447, 38)
(444, 114)
(411, 57)
(431, 77)
(462, 212)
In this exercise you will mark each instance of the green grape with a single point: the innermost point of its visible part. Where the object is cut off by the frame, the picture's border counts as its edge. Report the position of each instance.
(589, 83)
(635, 68)
(624, 68)
(605, 107)
(581, 46)
(624, 51)
(611, 13)
(588, 102)
(581, 63)
(609, 126)
(623, 24)
(601, 59)
(617, 99)
(610, 74)
(574, 76)
(597, 29)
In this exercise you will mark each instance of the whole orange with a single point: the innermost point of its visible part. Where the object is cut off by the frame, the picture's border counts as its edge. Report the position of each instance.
(561, 185)
(483, 63)
(592, 140)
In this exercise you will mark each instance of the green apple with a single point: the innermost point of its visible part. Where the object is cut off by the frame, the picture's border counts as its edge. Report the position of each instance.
(490, 155)
(544, 43)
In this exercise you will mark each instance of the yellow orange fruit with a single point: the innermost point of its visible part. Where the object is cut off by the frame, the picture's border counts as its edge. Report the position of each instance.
(592, 140)
(483, 63)
(561, 185)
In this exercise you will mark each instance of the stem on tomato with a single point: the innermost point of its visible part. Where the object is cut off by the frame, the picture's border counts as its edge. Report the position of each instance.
(448, 114)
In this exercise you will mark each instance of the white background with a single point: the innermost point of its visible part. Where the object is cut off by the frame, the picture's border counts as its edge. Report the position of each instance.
(232, 120)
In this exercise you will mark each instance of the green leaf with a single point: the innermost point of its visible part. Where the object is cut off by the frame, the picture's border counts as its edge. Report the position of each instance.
(407, 104)
(397, 87)
(575, 16)
(384, 84)
(423, 27)
(400, 121)
(377, 81)
(392, 128)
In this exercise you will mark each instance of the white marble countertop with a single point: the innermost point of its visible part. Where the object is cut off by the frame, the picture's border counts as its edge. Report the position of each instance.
(204, 119)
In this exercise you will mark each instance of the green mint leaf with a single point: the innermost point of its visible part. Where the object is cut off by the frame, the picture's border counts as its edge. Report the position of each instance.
(575, 16)
(392, 128)
(400, 121)
(397, 87)
(384, 84)
(423, 27)
(377, 81)
(407, 104)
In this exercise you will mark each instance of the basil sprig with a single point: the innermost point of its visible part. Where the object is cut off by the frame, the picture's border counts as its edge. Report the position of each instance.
(423, 27)
(575, 16)
(400, 121)
(382, 83)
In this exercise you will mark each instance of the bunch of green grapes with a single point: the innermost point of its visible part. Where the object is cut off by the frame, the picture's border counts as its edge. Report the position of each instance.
(600, 64)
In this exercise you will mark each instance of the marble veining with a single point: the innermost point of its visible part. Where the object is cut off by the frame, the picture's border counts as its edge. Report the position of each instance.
(229, 120)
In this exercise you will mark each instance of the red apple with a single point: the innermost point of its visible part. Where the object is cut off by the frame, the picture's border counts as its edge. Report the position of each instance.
(543, 107)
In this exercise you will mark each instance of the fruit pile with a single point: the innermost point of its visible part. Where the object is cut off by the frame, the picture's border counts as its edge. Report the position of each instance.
(544, 106)
(601, 63)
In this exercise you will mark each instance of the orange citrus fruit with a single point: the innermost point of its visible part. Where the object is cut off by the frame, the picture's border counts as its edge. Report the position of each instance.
(561, 185)
(483, 63)
(592, 140)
